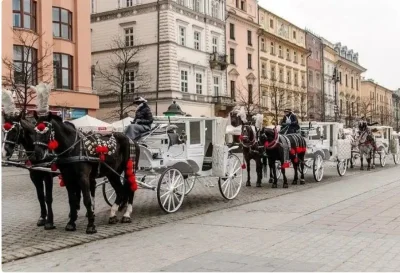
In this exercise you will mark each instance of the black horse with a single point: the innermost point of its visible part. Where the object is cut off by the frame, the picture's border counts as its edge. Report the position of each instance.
(83, 157)
(19, 131)
(282, 148)
(252, 151)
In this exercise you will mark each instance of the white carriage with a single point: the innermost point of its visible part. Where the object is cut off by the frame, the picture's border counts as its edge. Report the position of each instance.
(180, 150)
(387, 142)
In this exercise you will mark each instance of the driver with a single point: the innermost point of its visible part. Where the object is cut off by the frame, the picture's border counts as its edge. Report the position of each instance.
(142, 121)
(290, 122)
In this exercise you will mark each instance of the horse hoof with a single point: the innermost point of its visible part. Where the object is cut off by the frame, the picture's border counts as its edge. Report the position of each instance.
(302, 182)
(274, 185)
(126, 219)
(49, 226)
(70, 227)
(113, 220)
(373, 167)
(258, 185)
(361, 169)
(271, 181)
(91, 230)
(285, 185)
(41, 222)
(248, 184)
(294, 183)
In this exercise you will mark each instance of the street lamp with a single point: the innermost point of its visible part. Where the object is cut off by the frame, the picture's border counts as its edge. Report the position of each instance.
(335, 79)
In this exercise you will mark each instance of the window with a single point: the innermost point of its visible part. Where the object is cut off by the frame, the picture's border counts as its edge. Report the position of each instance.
(24, 14)
(271, 23)
(302, 59)
(273, 73)
(288, 77)
(129, 3)
(280, 51)
(232, 31)
(182, 36)
(25, 65)
(347, 84)
(262, 44)
(281, 74)
(272, 48)
(295, 56)
(317, 54)
(214, 44)
(296, 80)
(199, 83)
(216, 86)
(249, 38)
(352, 83)
(215, 9)
(93, 6)
(310, 78)
(357, 84)
(317, 80)
(294, 34)
(129, 36)
(232, 55)
(62, 23)
(196, 5)
(237, 3)
(250, 88)
(184, 81)
(243, 5)
(181, 2)
(303, 83)
(249, 61)
(197, 40)
(288, 54)
(341, 106)
(130, 82)
(264, 70)
(233, 88)
(62, 67)
(340, 77)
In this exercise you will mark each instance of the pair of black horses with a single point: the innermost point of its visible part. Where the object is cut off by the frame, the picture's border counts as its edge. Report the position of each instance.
(51, 139)
(265, 144)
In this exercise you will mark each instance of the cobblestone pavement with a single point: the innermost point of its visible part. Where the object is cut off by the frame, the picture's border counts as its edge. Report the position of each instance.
(20, 211)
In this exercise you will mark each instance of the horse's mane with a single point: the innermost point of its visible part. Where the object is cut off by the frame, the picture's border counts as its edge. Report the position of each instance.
(28, 126)
(70, 124)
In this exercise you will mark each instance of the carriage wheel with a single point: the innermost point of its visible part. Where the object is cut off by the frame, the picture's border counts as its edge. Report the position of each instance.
(307, 165)
(171, 190)
(278, 169)
(318, 167)
(109, 193)
(230, 185)
(342, 167)
(382, 157)
(189, 183)
(355, 157)
(396, 158)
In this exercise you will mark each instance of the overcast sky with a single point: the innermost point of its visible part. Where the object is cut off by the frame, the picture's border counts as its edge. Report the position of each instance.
(369, 27)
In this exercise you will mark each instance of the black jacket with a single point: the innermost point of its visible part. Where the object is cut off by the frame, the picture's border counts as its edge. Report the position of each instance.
(294, 125)
(143, 115)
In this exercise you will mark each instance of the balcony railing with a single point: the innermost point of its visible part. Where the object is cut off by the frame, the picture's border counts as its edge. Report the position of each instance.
(218, 61)
(222, 100)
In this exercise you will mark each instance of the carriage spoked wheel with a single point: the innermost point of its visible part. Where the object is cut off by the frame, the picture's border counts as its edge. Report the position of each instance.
(278, 169)
(307, 165)
(341, 167)
(355, 157)
(318, 167)
(230, 185)
(396, 158)
(190, 180)
(171, 190)
(109, 192)
(382, 157)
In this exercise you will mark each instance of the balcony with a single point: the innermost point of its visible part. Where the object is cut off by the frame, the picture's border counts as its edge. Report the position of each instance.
(224, 101)
(218, 61)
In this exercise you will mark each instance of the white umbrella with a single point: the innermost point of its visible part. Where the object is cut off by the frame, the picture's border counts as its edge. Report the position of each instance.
(120, 125)
(88, 123)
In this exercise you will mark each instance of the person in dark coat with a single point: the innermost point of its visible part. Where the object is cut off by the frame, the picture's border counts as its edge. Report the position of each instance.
(289, 122)
(142, 121)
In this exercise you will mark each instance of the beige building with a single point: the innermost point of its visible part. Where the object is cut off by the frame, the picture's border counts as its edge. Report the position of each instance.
(349, 84)
(376, 102)
(283, 70)
(330, 95)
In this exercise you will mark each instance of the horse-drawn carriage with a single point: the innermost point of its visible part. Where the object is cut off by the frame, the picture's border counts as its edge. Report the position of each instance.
(178, 151)
(387, 143)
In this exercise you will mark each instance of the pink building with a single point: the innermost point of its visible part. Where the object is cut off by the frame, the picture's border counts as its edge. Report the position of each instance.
(49, 41)
(242, 48)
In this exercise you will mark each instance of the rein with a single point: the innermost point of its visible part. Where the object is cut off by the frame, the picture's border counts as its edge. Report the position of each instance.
(274, 142)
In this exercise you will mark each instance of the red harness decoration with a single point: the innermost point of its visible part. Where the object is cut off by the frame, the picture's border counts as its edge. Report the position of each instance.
(41, 126)
(102, 151)
(52, 145)
(285, 165)
(7, 126)
(131, 175)
(61, 181)
(54, 167)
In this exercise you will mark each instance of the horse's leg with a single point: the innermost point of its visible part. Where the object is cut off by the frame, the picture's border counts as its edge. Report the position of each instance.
(84, 183)
(271, 164)
(362, 160)
(127, 215)
(295, 167)
(271, 171)
(351, 161)
(301, 158)
(373, 158)
(369, 155)
(285, 184)
(247, 158)
(48, 183)
(37, 180)
(259, 170)
(118, 187)
(73, 213)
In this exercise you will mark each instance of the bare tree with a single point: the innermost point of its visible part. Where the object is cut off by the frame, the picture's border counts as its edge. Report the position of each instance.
(27, 66)
(366, 107)
(281, 99)
(120, 77)
(250, 99)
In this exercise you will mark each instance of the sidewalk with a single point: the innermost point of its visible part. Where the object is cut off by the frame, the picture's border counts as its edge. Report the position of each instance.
(350, 225)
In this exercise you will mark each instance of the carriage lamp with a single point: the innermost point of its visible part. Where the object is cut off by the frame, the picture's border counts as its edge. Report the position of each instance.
(174, 110)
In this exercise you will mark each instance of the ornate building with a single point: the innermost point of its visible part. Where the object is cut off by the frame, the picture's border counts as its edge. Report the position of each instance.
(242, 48)
(349, 84)
(330, 93)
(283, 66)
(183, 51)
(376, 102)
(396, 110)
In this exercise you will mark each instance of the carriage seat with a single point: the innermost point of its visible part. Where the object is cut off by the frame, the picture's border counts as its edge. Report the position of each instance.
(153, 127)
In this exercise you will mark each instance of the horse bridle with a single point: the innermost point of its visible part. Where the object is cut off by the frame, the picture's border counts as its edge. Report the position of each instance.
(252, 142)
(17, 125)
(274, 142)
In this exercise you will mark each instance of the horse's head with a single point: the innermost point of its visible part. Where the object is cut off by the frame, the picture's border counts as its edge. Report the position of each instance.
(247, 136)
(268, 137)
(13, 133)
(45, 131)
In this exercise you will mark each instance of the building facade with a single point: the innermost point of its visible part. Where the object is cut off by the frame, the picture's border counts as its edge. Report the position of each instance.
(183, 52)
(377, 102)
(396, 110)
(349, 84)
(315, 92)
(242, 49)
(330, 91)
(49, 41)
(283, 66)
